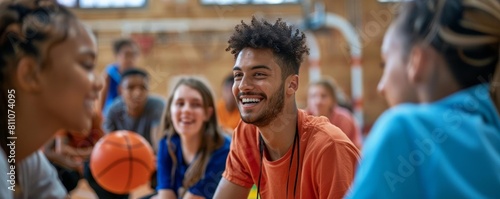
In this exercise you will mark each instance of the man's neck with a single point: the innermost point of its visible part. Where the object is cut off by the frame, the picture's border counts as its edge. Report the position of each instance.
(280, 133)
(135, 113)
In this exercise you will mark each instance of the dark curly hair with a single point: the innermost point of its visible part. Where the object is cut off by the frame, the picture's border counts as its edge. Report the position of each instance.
(286, 42)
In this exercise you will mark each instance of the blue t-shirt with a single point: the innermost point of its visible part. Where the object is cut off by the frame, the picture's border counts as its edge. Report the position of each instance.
(207, 185)
(446, 149)
(114, 81)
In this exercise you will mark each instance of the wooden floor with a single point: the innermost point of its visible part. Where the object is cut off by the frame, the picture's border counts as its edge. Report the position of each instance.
(84, 191)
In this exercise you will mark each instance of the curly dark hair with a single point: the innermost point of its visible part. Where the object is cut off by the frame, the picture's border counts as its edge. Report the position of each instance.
(286, 42)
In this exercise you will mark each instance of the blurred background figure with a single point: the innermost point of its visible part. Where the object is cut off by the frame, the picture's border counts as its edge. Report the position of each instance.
(227, 110)
(322, 101)
(126, 54)
(135, 110)
(192, 155)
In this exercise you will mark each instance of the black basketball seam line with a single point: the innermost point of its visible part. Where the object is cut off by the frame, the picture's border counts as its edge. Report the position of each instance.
(138, 145)
(130, 162)
(104, 171)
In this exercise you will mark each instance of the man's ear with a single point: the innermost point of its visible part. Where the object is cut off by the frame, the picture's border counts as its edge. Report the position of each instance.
(28, 74)
(292, 84)
(417, 64)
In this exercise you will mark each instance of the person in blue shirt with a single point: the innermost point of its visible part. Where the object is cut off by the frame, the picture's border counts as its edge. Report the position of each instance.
(441, 137)
(192, 155)
(126, 52)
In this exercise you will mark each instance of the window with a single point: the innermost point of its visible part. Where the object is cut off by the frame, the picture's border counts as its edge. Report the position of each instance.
(245, 2)
(89, 4)
(391, 1)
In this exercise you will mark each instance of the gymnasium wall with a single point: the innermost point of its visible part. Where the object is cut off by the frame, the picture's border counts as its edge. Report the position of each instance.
(202, 52)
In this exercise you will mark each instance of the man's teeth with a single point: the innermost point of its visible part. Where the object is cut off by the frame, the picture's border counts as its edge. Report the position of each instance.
(250, 100)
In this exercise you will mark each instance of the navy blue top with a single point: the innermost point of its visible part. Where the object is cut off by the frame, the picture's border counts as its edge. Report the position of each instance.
(208, 183)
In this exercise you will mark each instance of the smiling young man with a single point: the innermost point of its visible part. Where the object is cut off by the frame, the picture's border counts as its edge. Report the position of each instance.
(277, 147)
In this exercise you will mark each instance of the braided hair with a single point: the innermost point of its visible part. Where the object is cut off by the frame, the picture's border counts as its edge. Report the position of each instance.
(465, 32)
(27, 28)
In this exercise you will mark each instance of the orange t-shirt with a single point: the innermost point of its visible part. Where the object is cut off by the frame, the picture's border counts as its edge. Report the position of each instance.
(343, 119)
(327, 161)
(228, 120)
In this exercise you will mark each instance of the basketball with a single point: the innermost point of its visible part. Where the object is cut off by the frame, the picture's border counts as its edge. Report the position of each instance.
(122, 161)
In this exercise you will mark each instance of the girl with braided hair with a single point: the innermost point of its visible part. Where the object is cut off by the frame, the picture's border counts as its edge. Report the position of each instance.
(47, 64)
(447, 144)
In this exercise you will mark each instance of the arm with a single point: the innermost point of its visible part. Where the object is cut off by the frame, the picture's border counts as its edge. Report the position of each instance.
(166, 194)
(229, 190)
(80, 152)
(237, 179)
(59, 158)
(163, 172)
(189, 195)
(104, 90)
(40, 177)
(65, 149)
(335, 169)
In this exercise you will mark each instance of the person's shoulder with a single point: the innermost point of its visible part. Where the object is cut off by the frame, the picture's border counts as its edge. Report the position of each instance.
(156, 99)
(117, 104)
(116, 108)
(175, 140)
(399, 124)
(321, 129)
(155, 102)
(408, 114)
(245, 136)
(323, 138)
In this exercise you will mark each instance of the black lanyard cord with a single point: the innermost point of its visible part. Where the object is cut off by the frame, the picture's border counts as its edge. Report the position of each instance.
(296, 141)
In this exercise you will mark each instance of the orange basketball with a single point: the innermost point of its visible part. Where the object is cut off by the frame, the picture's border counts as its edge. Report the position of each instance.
(122, 161)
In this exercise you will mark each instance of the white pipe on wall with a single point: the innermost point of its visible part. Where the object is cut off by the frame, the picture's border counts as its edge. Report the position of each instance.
(352, 37)
(314, 57)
